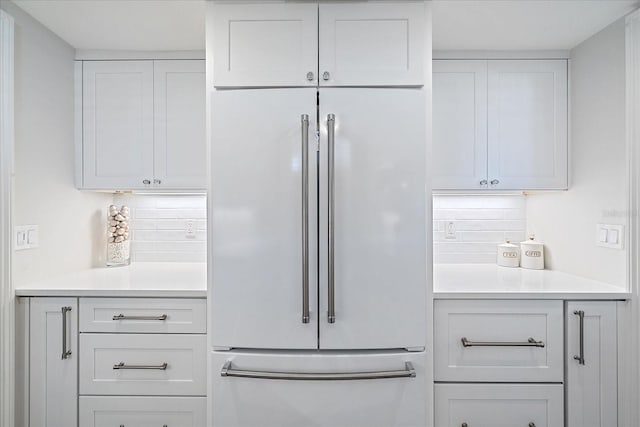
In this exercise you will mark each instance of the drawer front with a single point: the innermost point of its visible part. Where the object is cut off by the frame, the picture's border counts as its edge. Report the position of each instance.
(499, 405)
(143, 315)
(497, 337)
(106, 411)
(130, 364)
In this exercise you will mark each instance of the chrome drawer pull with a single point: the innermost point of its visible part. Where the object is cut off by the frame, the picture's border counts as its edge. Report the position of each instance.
(580, 358)
(123, 317)
(532, 424)
(529, 343)
(122, 365)
(66, 353)
(407, 372)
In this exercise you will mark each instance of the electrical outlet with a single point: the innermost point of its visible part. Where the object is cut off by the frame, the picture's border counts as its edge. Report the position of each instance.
(450, 230)
(189, 229)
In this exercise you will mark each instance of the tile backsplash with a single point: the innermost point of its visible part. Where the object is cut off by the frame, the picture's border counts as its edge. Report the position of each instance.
(479, 224)
(159, 223)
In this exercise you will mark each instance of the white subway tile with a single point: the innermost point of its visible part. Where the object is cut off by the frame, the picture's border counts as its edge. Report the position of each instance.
(481, 236)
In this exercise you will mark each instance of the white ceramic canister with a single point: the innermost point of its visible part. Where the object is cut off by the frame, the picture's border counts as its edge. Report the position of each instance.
(508, 255)
(532, 254)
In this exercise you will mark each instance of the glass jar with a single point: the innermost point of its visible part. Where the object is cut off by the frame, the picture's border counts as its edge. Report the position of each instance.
(118, 249)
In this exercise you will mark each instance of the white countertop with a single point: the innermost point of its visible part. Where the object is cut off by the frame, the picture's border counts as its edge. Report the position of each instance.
(488, 281)
(143, 279)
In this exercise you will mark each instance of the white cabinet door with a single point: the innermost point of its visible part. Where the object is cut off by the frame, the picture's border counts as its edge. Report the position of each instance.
(379, 255)
(499, 405)
(528, 124)
(53, 376)
(257, 220)
(372, 44)
(459, 148)
(117, 117)
(180, 149)
(265, 44)
(592, 398)
(268, 402)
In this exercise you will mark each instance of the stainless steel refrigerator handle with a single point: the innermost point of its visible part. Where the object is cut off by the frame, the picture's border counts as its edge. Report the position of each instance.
(331, 134)
(122, 365)
(305, 218)
(126, 317)
(407, 372)
(580, 358)
(65, 352)
(529, 343)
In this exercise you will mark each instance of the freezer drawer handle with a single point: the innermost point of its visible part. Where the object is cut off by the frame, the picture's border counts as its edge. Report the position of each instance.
(305, 218)
(122, 365)
(529, 343)
(123, 317)
(407, 372)
(580, 358)
(331, 136)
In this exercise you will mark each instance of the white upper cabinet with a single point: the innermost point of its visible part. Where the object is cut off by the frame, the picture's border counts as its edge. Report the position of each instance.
(180, 150)
(500, 124)
(371, 44)
(528, 124)
(265, 44)
(117, 119)
(330, 44)
(143, 125)
(459, 124)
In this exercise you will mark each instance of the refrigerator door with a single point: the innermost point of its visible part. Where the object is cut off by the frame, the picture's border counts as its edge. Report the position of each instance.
(257, 292)
(245, 401)
(372, 218)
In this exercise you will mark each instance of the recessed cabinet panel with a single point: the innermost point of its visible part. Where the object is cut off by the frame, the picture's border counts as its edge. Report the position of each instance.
(117, 101)
(372, 44)
(459, 124)
(180, 149)
(528, 124)
(265, 44)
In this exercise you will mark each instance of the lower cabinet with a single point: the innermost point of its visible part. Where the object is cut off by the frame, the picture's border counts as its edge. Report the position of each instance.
(591, 360)
(499, 405)
(107, 411)
(53, 362)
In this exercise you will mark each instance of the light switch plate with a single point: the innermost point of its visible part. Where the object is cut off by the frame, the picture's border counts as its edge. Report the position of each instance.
(610, 236)
(26, 237)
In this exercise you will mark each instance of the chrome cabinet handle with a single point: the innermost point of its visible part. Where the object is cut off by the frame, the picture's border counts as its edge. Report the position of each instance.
(464, 425)
(529, 343)
(532, 424)
(484, 182)
(331, 134)
(580, 358)
(229, 371)
(495, 182)
(305, 218)
(157, 181)
(66, 353)
(310, 76)
(146, 181)
(326, 76)
(122, 365)
(126, 317)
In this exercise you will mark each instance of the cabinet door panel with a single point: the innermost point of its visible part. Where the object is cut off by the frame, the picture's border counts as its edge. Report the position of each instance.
(459, 124)
(180, 130)
(265, 44)
(372, 44)
(528, 124)
(256, 219)
(53, 381)
(592, 398)
(379, 225)
(117, 124)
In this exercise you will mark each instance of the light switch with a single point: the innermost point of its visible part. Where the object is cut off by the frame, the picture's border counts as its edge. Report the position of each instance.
(604, 235)
(612, 237)
(26, 237)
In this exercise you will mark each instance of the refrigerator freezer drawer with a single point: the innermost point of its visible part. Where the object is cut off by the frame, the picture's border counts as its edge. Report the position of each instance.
(367, 389)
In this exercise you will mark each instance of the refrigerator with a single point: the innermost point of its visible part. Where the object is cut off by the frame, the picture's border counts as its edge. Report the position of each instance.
(318, 284)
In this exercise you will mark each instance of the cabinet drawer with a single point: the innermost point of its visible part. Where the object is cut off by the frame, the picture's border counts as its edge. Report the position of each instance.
(143, 315)
(106, 411)
(143, 364)
(499, 405)
(510, 341)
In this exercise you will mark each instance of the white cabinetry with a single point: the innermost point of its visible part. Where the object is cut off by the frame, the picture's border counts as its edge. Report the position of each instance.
(143, 125)
(500, 124)
(591, 364)
(327, 44)
(53, 362)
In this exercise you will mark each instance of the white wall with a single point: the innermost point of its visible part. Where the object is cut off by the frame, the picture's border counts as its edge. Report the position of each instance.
(566, 221)
(71, 222)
